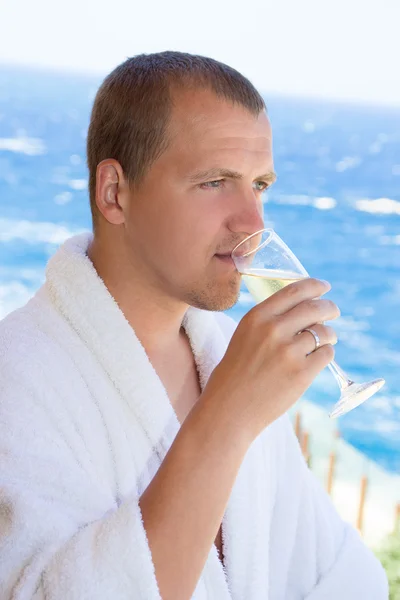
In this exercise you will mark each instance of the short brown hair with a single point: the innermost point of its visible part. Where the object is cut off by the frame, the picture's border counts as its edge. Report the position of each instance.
(131, 109)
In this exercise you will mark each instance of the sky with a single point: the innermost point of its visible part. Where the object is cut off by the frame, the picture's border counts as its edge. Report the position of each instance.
(339, 49)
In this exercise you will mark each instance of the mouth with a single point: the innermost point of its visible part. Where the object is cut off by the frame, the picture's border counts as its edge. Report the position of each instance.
(225, 258)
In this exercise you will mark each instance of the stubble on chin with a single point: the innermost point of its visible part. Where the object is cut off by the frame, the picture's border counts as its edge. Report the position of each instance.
(216, 297)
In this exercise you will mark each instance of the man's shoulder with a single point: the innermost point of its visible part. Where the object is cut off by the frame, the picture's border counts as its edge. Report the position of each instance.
(17, 332)
(23, 343)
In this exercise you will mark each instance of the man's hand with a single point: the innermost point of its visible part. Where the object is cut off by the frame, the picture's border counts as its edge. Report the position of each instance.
(267, 365)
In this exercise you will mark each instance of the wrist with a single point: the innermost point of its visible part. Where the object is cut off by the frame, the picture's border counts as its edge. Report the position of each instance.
(217, 420)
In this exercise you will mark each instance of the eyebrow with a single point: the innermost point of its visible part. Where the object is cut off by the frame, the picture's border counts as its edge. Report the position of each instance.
(270, 177)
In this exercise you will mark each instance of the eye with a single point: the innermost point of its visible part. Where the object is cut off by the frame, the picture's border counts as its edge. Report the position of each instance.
(264, 185)
(208, 183)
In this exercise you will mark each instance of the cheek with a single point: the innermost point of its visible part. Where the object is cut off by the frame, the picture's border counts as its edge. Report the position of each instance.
(188, 249)
(203, 233)
(185, 229)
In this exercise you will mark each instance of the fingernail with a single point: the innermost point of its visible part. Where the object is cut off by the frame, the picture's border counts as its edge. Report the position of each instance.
(326, 283)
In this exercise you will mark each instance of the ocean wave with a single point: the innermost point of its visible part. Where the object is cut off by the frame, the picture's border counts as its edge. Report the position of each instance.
(369, 350)
(322, 203)
(309, 127)
(348, 162)
(389, 427)
(293, 199)
(385, 206)
(387, 240)
(381, 404)
(349, 324)
(26, 274)
(78, 184)
(33, 232)
(63, 198)
(23, 145)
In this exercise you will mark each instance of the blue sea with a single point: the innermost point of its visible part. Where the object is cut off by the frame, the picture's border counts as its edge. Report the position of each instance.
(336, 204)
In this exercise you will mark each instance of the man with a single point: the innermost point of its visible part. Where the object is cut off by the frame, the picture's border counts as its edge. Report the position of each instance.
(142, 432)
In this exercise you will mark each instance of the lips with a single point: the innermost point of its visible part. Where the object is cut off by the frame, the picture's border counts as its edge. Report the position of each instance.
(226, 258)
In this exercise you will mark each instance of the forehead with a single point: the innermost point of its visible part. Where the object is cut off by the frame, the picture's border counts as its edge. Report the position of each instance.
(207, 120)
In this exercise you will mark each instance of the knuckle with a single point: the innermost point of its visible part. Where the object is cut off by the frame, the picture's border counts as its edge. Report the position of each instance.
(315, 282)
(252, 317)
(324, 308)
(293, 289)
(312, 305)
(274, 330)
(291, 356)
(306, 285)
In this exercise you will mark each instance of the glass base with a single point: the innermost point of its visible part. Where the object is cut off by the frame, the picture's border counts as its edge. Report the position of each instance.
(354, 395)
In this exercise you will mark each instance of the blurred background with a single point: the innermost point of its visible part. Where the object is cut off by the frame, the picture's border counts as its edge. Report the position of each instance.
(330, 76)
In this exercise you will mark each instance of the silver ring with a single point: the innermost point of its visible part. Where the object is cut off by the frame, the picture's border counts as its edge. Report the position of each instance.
(316, 338)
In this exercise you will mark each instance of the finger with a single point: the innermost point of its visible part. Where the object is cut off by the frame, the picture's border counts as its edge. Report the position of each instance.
(308, 313)
(294, 293)
(320, 359)
(306, 342)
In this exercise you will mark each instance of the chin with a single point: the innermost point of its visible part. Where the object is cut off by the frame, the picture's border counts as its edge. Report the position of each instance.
(216, 298)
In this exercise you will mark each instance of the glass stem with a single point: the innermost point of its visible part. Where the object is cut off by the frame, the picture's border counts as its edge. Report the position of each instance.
(340, 376)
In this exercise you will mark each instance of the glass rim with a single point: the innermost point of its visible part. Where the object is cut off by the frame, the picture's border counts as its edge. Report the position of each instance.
(265, 242)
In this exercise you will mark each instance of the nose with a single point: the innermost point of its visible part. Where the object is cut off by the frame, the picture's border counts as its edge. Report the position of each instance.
(249, 216)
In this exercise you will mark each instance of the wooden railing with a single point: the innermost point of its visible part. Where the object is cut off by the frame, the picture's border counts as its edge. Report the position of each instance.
(304, 441)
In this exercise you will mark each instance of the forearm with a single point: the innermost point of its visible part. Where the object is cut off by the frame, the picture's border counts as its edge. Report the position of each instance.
(184, 504)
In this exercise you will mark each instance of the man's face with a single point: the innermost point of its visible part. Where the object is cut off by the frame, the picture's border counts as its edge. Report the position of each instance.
(176, 225)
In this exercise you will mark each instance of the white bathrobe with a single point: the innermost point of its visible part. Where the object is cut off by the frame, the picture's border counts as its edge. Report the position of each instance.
(85, 422)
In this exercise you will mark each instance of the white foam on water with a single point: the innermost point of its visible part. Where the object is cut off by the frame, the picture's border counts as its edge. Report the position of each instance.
(375, 148)
(385, 206)
(309, 127)
(388, 427)
(324, 203)
(364, 311)
(75, 159)
(374, 230)
(33, 232)
(387, 240)
(348, 162)
(23, 145)
(379, 404)
(78, 184)
(292, 199)
(351, 324)
(63, 198)
(60, 175)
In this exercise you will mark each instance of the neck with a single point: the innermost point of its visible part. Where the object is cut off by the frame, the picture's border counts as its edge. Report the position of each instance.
(155, 317)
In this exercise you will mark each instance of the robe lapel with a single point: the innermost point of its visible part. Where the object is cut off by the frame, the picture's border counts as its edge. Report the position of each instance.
(82, 298)
(246, 523)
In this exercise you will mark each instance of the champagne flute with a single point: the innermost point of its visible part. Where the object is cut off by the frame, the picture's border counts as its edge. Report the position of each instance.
(267, 265)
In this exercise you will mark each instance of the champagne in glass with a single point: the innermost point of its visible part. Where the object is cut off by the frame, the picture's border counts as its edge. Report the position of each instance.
(268, 265)
(262, 283)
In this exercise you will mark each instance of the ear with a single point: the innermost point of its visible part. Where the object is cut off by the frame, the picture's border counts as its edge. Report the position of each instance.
(111, 189)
